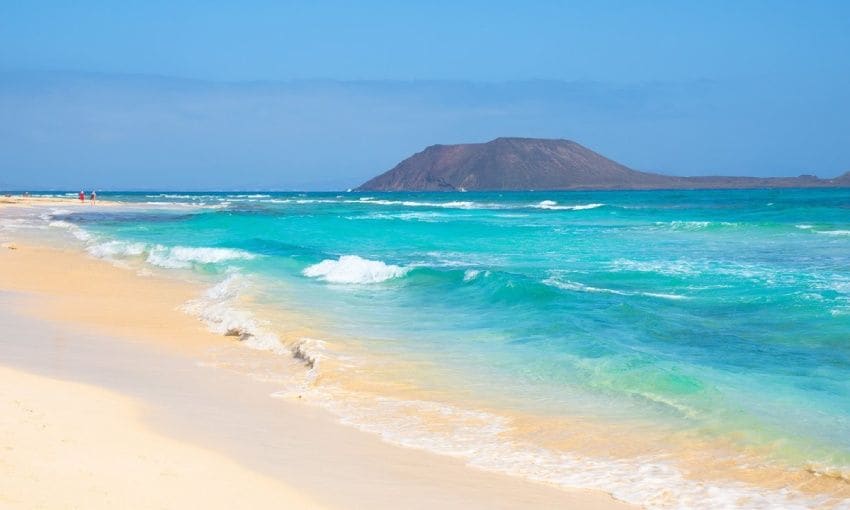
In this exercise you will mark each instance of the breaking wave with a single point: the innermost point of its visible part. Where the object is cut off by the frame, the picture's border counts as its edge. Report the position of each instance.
(176, 257)
(669, 268)
(553, 206)
(76, 231)
(184, 256)
(354, 270)
(112, 249)
(580, 287)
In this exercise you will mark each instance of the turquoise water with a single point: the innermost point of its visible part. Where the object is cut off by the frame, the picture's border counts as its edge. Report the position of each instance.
(725, 314)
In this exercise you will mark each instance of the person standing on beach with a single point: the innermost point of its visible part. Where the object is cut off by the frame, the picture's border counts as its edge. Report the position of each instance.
(93, 197)
(82, 197)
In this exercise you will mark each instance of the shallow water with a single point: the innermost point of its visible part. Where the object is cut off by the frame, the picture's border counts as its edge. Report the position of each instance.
(676, 348)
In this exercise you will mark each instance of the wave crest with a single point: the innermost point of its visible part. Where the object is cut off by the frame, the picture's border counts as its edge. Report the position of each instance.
(355, 270)
(580, 287)
(184, 256)
(553, 206)
(76, 231)
(112, 249)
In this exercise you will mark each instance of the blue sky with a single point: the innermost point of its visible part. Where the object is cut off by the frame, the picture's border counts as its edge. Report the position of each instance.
(321, 95)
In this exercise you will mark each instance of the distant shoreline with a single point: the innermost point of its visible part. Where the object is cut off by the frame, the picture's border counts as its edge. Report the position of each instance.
(41, 195)
(511, 163)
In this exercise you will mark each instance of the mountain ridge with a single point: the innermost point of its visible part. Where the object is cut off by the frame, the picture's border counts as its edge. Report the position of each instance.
(514, 163)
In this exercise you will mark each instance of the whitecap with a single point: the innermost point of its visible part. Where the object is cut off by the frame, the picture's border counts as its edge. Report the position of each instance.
(670, 268)
(354, 269)
(580, 287)
(685, 225)
(455, 204)
(184, 256)
(663, 295)
(553, 206)
(112, 249)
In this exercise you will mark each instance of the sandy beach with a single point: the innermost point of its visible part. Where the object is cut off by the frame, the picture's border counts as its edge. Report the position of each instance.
(73, 445)
(43, 201)
(105, 405)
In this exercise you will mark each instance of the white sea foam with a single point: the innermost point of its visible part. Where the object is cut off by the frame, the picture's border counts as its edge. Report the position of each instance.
(454, 204)
(423, 216)
(11, 224)
(470, 274)
(76, 231)
(111, 249)
(478, 437)
(221, 308)
(218, 309)
(663, 295)
(177, 257)
(805, 226)
(189, 205)
(670, 268)
(692, 225)
(185, 256)
(685, 225)
(552, 205)
(580, 287)
(182, 197)
(834, 232)
(457, 204)
(354, 269)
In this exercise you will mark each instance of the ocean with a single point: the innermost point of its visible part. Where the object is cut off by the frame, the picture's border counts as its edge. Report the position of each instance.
(677, 349)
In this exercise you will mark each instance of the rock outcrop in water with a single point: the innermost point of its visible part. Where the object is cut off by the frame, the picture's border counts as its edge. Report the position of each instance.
(541, 164)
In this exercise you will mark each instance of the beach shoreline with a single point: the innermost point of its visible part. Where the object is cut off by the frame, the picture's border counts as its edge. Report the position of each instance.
(114, 325)
(213, 307)
(43, 201)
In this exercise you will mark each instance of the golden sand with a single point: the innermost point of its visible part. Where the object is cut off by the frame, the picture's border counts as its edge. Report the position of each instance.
(69, 445)
(83, 290)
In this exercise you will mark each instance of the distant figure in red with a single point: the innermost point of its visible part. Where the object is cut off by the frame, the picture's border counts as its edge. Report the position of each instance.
(82, 197)
(93, 197)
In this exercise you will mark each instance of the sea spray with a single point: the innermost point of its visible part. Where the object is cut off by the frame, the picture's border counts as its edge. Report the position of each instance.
(353, 269)
(185, 256)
